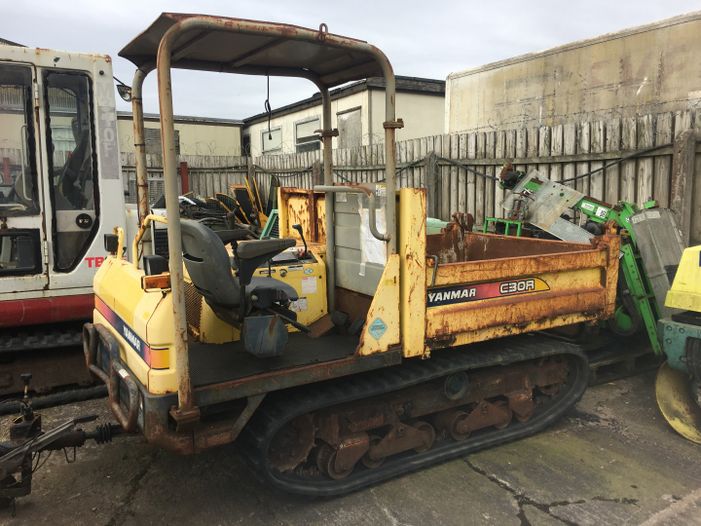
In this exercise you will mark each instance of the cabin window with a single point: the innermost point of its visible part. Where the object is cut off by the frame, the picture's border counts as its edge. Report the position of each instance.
(72, 165)
(272, 141)
(307, 136)
(18, 174)
(350, 133)
(19, 253)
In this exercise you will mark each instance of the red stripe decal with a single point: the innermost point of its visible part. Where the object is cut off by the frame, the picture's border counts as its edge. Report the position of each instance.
(37, 311)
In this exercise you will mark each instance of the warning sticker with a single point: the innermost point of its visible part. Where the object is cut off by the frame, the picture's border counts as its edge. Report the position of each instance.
(483, 291)
(299, 305)
(309, 285)
(377, 328)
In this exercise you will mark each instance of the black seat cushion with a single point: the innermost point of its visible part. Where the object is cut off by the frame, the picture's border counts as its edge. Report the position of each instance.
(263, 247)
(210, 270)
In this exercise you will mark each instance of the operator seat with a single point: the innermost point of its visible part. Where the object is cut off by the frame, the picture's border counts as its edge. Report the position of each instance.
(257, 305)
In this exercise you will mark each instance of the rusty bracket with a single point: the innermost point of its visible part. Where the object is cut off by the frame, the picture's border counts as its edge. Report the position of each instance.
(399, 123)
(185, 419)
(327, 133)
(434, 258)
(351, 450)
(323, 31)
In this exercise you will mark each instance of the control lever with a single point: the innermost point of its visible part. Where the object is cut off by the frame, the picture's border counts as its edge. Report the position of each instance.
(298, 228)
(26, 405)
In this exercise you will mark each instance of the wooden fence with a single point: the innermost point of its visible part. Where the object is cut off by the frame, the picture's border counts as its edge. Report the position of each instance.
(453, 167)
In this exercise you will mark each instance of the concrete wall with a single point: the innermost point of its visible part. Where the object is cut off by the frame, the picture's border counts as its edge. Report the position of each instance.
(196, 138)
(648, 69)
(423, 115)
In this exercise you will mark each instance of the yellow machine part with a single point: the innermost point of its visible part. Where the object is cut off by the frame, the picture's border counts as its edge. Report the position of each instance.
(497, 288)
(677, 404)
(673, 388)
(685, 293)
(308, 279)
(142, 320)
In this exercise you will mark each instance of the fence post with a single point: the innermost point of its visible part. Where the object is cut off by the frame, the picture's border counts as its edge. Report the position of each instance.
(184, 178)
(317, 176)
(682, 180)
(250, 168)
(434, 191)
(6, 175)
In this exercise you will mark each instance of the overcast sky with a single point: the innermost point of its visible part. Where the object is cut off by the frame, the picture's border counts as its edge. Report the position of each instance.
(421, 38)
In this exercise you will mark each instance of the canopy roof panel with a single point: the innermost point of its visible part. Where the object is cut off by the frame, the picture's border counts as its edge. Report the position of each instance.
(254, 47)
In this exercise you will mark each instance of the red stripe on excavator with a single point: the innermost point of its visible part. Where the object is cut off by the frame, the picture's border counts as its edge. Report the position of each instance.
(153, 358)
(36, 311)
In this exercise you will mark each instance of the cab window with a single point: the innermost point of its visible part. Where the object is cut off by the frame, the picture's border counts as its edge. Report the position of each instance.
(18, 175)
(72, 166)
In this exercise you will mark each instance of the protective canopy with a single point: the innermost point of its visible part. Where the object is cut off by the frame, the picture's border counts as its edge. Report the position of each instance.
(282, 50)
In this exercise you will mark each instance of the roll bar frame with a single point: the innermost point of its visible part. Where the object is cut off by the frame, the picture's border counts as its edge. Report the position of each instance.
(187, 412)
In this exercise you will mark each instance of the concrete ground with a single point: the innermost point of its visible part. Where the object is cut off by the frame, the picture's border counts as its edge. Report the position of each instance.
(613, 460)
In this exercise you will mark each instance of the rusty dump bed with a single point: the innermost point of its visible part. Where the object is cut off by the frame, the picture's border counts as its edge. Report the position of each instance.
(486, 286)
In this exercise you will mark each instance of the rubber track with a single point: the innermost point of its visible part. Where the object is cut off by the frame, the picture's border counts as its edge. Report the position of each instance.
(282, 407)
(24, 339)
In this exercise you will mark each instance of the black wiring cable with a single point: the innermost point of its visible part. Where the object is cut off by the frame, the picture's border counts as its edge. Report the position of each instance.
(632, 155)
(468, 168)
(37, 466)
(268, 109)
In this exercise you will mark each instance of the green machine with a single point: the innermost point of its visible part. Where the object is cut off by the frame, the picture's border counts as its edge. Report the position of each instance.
(650, 249)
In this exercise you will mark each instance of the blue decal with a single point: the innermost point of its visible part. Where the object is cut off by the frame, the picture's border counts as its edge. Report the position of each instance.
(377, 328)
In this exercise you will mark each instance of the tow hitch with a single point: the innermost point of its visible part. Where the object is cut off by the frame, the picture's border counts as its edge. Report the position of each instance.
(21, 456)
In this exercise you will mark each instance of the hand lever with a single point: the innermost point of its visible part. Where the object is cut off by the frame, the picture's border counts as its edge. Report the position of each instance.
(26, 378)
(26, 405)
(298, 228)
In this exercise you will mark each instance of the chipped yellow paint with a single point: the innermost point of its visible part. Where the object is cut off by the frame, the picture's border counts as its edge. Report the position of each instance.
(383, 315)
(304, 207)
(412, 252)
(569, 293)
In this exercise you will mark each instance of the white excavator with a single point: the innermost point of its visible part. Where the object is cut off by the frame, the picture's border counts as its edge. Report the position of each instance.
(60, 192)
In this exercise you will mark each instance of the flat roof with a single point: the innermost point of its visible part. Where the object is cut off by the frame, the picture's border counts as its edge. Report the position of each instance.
(403, 84)
(185, 118)
(6, 42)
(236, 45)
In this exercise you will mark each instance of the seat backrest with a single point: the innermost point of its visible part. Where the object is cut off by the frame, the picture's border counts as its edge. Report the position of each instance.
(208, 265)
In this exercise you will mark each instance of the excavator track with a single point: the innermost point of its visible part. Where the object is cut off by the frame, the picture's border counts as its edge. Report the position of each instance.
(342, 435)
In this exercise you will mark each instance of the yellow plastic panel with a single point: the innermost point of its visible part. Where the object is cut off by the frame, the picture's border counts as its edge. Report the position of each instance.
(382, 327)
(686, 290)
(412, 252)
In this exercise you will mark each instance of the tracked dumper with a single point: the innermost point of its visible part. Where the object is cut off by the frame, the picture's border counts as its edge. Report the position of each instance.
(355, 347)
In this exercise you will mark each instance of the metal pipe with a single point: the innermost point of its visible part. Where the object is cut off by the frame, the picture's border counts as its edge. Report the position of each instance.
(390, 125)
(143, 227)
(54, 399)
(327, 141)
(372, 219)
(165, 49)
(137, 109)
(175, 253)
